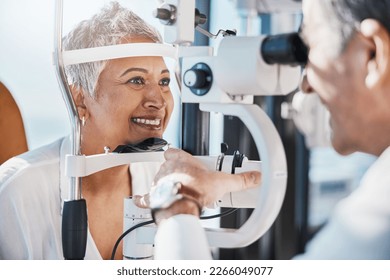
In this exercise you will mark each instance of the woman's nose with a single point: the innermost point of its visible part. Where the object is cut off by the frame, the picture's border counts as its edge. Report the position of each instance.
(304, 85)
(154, 97)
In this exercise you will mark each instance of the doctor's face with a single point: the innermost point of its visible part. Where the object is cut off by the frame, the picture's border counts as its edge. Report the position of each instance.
(133, 101)
(338, 76)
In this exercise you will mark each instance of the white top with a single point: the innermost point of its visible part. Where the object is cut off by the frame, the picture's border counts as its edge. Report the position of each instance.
(33, 188)
(360, 225)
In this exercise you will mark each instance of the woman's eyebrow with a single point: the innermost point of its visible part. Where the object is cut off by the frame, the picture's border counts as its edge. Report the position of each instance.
(134, 69)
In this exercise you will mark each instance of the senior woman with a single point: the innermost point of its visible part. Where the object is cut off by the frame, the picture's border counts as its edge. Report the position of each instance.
(119, 101)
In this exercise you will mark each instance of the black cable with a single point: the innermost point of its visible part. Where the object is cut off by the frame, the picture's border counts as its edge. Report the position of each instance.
(126, 233)
(151, 221)
(228, 212)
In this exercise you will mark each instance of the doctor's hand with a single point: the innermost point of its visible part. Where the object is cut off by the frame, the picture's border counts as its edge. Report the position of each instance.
(199, 183)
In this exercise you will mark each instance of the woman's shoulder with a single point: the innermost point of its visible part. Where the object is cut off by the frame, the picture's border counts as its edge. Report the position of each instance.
(31, 165)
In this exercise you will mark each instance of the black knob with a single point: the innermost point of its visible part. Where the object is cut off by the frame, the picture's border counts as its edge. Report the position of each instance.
(224, 148)
(198, 79)
(195, 78)
(166, 14)
(162, 14)
(199, 18)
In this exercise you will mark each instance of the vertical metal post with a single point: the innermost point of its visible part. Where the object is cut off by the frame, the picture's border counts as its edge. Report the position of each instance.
(195, 123)
(74, 216)
(75, 192)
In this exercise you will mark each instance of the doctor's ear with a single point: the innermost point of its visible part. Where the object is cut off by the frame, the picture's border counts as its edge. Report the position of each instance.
(378, 65)
(78, 98)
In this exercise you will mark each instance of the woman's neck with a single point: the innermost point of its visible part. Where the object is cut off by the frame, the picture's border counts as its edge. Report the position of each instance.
(112, 180)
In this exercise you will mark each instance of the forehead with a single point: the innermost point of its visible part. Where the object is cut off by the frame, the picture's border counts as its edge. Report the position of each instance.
(318, 28)
(308, 4)
(136, 39)
(149, 64)
(313, 16)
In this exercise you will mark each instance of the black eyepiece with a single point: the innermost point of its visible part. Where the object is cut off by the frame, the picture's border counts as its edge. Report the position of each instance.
(286, 49)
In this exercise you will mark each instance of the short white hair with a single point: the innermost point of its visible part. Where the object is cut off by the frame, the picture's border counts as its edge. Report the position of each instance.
(108, 27)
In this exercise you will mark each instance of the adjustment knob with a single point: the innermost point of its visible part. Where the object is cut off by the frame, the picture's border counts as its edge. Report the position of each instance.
(198, 79)
(199, 18)
(162, 14)
(166, 14)
(195, 78)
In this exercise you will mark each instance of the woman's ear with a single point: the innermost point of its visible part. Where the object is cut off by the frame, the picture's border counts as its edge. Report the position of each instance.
(378, 66)
(78, 98)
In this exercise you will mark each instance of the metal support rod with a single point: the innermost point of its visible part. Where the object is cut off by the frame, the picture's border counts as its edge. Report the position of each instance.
(195, 123)
(74, 216)
(75, 183)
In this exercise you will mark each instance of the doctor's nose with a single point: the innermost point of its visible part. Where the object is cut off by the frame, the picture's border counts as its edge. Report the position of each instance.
(304, 84)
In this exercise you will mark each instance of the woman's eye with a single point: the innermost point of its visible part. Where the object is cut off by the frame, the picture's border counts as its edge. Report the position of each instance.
(137, 82)
(165, 82)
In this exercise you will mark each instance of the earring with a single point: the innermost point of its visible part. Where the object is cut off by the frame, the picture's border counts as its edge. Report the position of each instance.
(83, 121)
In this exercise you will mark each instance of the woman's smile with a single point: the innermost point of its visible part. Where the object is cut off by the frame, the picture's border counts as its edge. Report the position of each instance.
(153, 123)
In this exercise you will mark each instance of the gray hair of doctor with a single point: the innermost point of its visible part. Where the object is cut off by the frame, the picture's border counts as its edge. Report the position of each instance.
(108, 27)
(344, 17)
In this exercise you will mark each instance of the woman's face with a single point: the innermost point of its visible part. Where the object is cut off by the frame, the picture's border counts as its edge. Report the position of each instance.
(133, 102)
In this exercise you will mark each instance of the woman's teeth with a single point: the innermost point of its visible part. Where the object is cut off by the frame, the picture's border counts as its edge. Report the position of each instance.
(155, 122)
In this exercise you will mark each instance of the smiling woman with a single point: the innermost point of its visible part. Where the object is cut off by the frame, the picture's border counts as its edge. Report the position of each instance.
(132, 102)
(120, 101)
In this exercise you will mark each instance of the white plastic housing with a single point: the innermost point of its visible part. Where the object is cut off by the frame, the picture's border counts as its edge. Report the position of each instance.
(270, 195)
(239, 68)
(239, 73)
(133, 245)
(182, 31)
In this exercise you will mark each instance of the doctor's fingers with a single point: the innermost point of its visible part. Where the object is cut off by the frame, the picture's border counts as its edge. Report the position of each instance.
(173, 153)
(141, 201)
(178, 156)
(238, 182)
(178, 161)
(214, 185)
(181, 171)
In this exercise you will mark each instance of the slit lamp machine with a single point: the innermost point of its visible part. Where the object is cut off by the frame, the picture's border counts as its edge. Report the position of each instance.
(224, 81)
